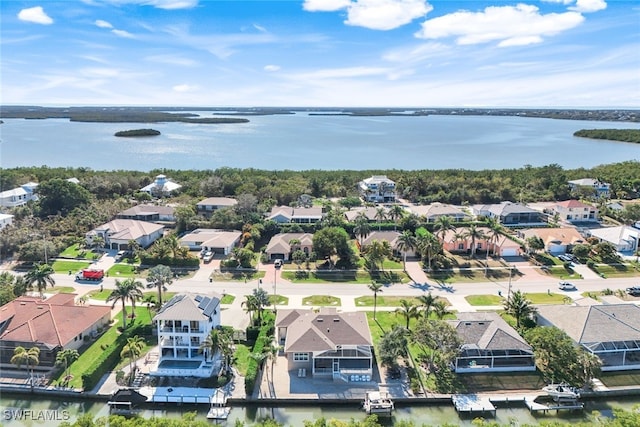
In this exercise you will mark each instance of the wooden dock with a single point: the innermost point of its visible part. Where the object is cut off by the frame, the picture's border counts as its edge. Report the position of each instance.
(472, 404)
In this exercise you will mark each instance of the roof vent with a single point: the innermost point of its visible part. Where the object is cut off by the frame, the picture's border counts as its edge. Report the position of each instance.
(467, 323)
(336, 319)
(480, 323)
(320, 319)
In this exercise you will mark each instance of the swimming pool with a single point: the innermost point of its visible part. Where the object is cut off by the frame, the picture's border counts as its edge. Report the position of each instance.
(180, 364)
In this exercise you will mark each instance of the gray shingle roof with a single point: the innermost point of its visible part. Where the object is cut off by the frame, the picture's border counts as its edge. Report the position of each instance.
(189, 307)
(488, 331)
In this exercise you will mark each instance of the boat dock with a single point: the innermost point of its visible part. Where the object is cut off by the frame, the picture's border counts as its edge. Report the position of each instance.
(557, 405)
(472, 404)
(475, 404)
(218, 409)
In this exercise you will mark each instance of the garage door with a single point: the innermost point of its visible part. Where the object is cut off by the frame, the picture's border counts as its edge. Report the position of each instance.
(510, 252)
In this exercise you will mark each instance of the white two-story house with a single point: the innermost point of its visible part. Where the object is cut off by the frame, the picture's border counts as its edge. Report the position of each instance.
(378, 189)
(183, 324)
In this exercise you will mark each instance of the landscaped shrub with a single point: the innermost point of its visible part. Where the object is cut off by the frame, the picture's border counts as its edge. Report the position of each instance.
(262, 341)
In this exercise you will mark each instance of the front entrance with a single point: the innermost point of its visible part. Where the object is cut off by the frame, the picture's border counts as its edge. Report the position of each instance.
(336, 366)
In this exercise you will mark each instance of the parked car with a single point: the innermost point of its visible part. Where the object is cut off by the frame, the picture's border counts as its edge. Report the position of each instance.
(207, 257)
(566, 286)
(634, 291)
(120, 255)
(277, 263)
(565, 258)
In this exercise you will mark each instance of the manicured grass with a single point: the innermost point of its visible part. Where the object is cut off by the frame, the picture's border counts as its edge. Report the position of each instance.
(61, 289)
(74, 251)
(241, 358)
(484, 300)
(560, 272)
(124, 270)
(345, 276)
(237, 275)
(618, 270)
(321, 300)
(108, 338)
(279, 300)
(99, 295)
(471, 275)
(545, 298)
(228, 299)
(60, 266)
(385, 301)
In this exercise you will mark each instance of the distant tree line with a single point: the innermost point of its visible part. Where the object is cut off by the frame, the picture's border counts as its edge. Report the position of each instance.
(626, 135)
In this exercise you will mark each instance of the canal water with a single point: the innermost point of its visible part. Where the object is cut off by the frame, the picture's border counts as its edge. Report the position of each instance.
(431, 415)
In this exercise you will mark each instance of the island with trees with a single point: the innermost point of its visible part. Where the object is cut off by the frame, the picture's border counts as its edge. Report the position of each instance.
(624, 135)
(137, 132)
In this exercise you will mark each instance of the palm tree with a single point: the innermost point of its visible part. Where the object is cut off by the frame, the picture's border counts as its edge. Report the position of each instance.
(41, 275)
(125, 291)
(66, 357)
(251, 305)
(381, 215)
(427, 301)
(31, 358)
(377, 251)
(406, 242)
(429, 246)
(257, 301)
(211, 344)
(408, 311)
(494, 234)
(173, 244)
(375, 288)
(395, 213)
(362, 228)
(590, 365)
(440, 309)
(132, 349)
(160, 275)
(475, 234)
(443, 224)
(519, 307)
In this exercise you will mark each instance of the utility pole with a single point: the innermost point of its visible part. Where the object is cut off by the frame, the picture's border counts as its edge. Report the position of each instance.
(509, 289)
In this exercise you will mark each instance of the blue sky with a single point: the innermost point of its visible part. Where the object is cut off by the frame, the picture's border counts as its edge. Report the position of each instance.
(406, 53)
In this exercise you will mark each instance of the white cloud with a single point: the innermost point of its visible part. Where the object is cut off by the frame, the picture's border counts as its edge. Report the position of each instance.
(509, 25)
(160, 4)
(172, 60)
(184, 88)
(260, 28)
(587, 6)
(373, 14)
(271, 67)
(103, 24)
(36, 15)
(123, 33)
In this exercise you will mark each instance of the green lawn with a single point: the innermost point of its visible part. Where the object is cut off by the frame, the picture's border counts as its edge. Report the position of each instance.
(143, 316)
(241, 358)
(345, 276)
(74, 251)
(545, 298)
(228, 299)
(484, 300)
(321, 300)
(65, 266)
(61, 289)
(471, 275)
(560, 272)
(124, 270)
(99, 295)
(237, 275)
(279, 300)
(385, 301)
(617, 270)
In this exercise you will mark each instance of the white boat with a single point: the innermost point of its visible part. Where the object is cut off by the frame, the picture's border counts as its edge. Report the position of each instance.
(218, 409)
(377, 403)
(561, 391)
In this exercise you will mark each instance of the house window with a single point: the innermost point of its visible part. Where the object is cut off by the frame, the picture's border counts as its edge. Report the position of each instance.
(194, 324)
(460, 246)
(300, 357)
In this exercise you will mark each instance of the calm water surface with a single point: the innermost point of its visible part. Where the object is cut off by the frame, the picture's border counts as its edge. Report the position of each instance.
(300, 141)
(294, 416)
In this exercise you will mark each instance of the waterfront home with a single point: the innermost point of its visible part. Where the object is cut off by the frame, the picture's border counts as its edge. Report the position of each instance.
(5, 220)
(118, 233)
(387, 236)
(378, 189)
(52, 325)
(574, 211)
(489, 344)
(150, 213)
(624, 238)
(610, 331)
(19, 196)
(599, 188)
(326, 343)
(510, 214)
(295, 215)
(430, 213)
(283, 245)
(556, 240)
(183, 324)
(161, 186)
(207, 239)
(457, 241)
(209, 205)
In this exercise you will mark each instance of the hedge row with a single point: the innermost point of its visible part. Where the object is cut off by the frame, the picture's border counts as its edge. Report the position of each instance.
(252, 370)
(110, 357)
(171, 262)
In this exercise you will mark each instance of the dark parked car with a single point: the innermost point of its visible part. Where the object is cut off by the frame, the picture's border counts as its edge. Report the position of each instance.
(634, 291)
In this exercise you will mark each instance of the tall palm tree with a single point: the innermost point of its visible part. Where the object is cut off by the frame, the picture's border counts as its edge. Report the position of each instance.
(395, 213)
(377, 251)
(160, 275)
(494, 234)
(474, 233)
(408, 311)
(440, 309)
(173, 244)
(375, 288)
(251, 305)
(132, 349)
(381, 215)
(519, 307)
(427, 301)
(257, 301)
(429, 246)
(125, 291)
(65, 358)
(211, 344)
(361, 228)
(22, 356)
(406, 242)
(41, 275)
(443, 224)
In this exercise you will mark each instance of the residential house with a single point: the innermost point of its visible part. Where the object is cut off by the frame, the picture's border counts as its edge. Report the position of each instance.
(52, 325)
(436, 210)
(19, 196)
(326, 343)
(183, 324)
(288, 214)
(387, 236)
(378, 189)
(610, 331)
(624, 238)
(281, 247)
(371, 213)
(489, 344)
(161, 186)
(510, 214)
(217, 241)
(118, 233)
(601, 189)
(150, 213)
(209, 205)
(5, 220)
(574, 211)
(556, 240)
(457, 241)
